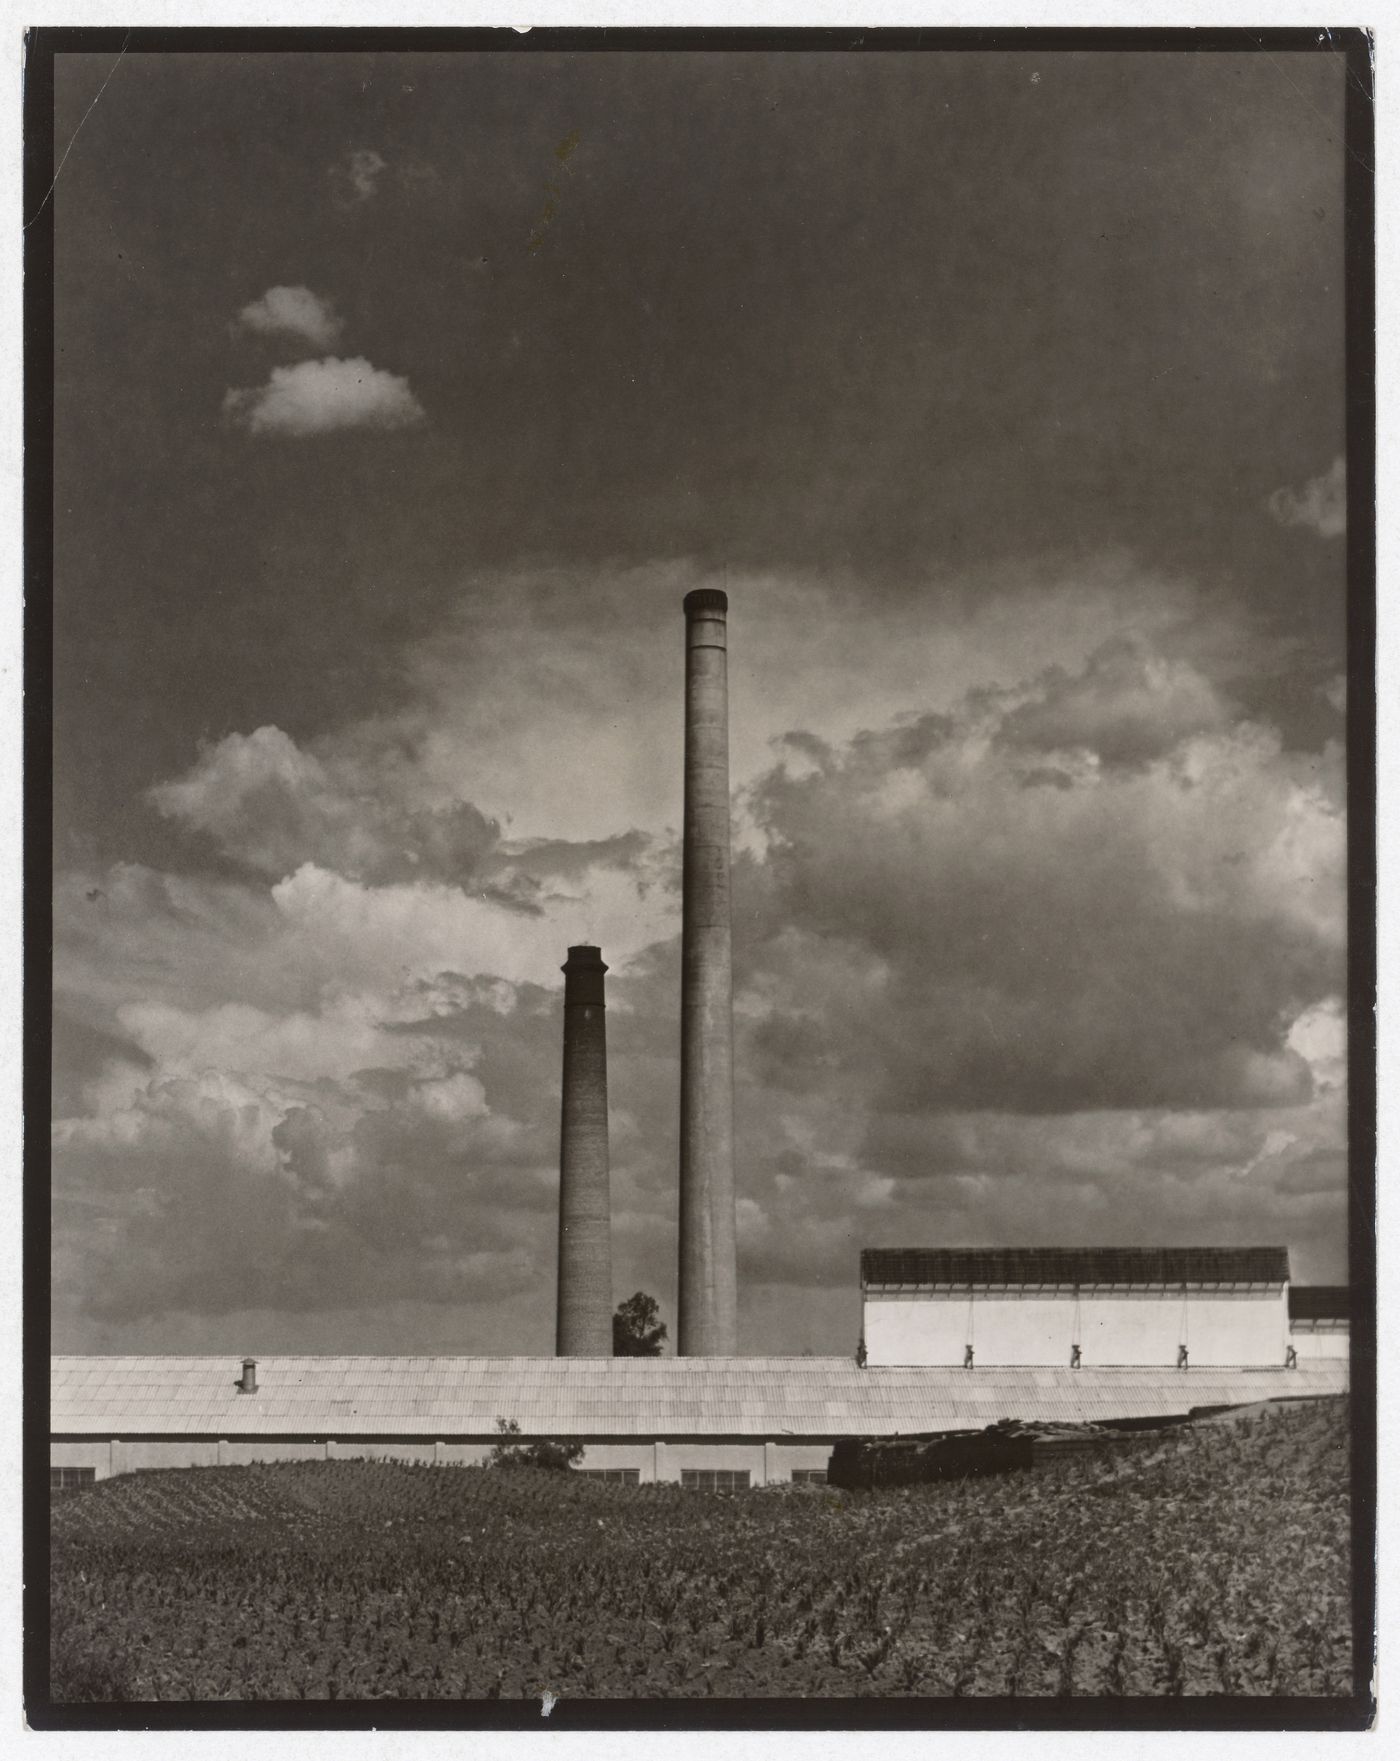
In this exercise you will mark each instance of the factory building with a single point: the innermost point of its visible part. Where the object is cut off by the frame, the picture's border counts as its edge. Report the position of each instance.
(1319, 1322)
(702, 1422)
(1076, 1308)
(954, 1339)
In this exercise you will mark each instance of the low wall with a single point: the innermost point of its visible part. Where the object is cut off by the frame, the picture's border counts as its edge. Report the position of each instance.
(652, 1460)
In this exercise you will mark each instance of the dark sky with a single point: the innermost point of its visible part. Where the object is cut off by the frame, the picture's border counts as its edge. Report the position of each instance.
(399, 400)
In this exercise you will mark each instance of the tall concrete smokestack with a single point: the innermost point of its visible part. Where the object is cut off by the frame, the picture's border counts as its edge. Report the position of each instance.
(707, 1318)
(584, 1323)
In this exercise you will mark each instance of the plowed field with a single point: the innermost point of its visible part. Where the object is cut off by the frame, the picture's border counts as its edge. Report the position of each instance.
(1212, 1562)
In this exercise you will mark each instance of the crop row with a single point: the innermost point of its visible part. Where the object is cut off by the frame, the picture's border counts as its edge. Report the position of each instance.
(1215, 1563)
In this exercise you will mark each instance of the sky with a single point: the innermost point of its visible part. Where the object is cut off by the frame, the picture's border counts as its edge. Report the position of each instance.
(399, 401)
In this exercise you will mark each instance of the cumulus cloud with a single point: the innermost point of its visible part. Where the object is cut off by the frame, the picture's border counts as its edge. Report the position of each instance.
(355, 179)
(293, 1177)
(354, 1093)
(379, 864)
(275, 807)
(827, 1173)
(1320, 505)
(321, 397)
(293, 311)
(557, 689)
(1055, 957)
(299, 1046)
(1126, 706)
(1140, 935)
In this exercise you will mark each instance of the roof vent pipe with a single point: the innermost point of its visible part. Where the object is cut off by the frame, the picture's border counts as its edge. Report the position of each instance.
(248, 1381)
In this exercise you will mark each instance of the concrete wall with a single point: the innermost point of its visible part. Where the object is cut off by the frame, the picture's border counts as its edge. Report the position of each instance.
(767, 1463)
(1324, 1339)
(672, 1457)
(97, 1456)
(641, 1456)
(244, 1451)
(460, 1454)
(1219, 1329)
(350, 1449)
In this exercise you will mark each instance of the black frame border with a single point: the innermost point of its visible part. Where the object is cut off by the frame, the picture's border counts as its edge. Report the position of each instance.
(1220, 1713)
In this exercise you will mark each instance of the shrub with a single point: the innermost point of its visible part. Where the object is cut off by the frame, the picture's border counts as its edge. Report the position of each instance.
(555, 1457)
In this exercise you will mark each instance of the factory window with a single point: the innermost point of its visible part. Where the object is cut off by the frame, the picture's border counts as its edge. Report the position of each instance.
(809, 1476)
(715, 1479)
(68, 1479)
(615, 1476)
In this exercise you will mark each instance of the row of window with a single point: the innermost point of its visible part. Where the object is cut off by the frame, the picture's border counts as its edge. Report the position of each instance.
(715, 1479)
(68, 1479)
(737, 1479)
(703, 1479)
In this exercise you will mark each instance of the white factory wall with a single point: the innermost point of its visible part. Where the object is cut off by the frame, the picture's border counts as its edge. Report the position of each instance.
(1328, 1339)
(351, 1449)
(86, 1454)
(1219, 1329)
(767, 1463)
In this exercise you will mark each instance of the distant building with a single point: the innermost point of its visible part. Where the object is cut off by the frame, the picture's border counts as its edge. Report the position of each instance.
(707, 1422)
(1144, 1308)
(1319, 1321)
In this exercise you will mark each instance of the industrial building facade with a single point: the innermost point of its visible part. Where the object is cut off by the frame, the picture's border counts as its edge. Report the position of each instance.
(720, 1422)
(1166, 1308)
(1319, 1321)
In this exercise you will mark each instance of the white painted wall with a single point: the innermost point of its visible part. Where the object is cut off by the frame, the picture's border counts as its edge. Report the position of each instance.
(238, 1452)
(768, 1463)
(1219, 1329)
(1331, 1339)
(97, 1456)
(675, 1456)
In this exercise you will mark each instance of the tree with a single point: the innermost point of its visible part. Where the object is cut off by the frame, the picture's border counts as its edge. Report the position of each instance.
(555, 1456)
(636, 1330)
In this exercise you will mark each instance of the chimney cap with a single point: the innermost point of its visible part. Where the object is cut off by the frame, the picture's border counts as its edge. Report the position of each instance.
(584, 957)
(250, 1363)
(705, 599)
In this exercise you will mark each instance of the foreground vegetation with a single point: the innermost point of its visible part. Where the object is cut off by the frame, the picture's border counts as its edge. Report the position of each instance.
(1213, 1561)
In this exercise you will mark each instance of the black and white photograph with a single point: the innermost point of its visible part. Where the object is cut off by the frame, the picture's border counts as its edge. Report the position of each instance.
(704, 710)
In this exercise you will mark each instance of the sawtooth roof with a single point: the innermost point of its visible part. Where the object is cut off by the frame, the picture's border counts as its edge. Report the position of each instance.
(760, 1397)
(958, 1267)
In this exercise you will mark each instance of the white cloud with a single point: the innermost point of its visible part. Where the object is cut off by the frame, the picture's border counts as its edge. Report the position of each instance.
(373, 936)
(319, 397)
(1320, 505)
(299, 1047)
(1138, 929)
(557, 691)
(1127, 706)
(293, 311)
(356, 178)
(1036, 931)
(274, 807)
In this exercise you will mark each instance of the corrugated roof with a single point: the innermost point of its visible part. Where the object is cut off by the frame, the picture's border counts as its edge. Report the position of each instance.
(958, 1266)
(772, 1397)
(1319, 1302)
